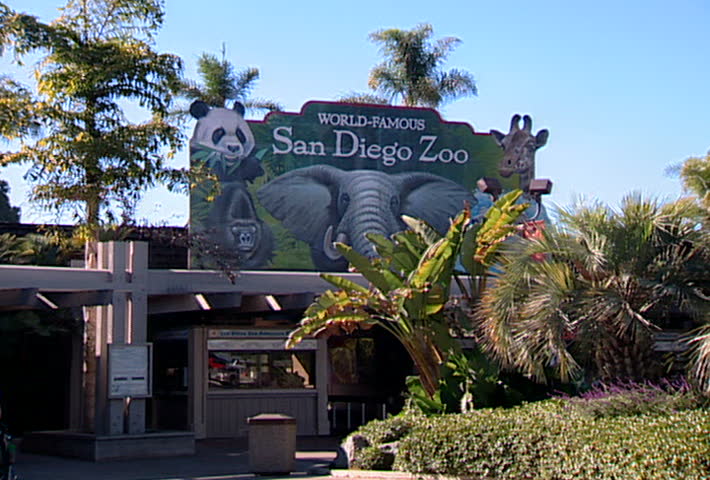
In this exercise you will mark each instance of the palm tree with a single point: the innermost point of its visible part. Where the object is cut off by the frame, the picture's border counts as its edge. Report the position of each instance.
(695, 175)
(221, 84)
(590, 295)
(412, 71)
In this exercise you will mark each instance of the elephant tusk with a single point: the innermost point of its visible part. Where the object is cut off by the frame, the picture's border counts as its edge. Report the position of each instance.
(328, 245)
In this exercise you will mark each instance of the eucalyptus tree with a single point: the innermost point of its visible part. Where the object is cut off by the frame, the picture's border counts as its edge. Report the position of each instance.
(94, 59)
(221, 84)
(412, 70)
(590, 294)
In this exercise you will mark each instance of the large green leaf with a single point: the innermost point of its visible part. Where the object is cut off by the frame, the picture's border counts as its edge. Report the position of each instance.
(436, 298)
(384, 246)
(468, 251)
(498, 225)
(344, 283)
(425, 231)
(363, 265)
(408, 250)
(437, 263)
(432, 265)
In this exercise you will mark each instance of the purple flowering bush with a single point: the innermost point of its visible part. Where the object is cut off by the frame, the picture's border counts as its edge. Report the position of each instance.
(632, 398)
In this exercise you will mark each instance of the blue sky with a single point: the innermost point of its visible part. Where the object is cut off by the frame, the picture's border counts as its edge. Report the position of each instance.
(623, 87)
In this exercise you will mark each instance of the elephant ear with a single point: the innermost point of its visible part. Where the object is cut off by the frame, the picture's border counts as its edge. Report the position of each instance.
(432, 198)
(302, 200)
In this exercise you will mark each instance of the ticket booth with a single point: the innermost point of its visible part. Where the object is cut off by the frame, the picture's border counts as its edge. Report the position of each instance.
(228, 374)
(212, 379)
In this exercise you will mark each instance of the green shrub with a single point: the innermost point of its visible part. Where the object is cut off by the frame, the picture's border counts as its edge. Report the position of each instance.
(390, 429)
(372, 458)
(673, 446)
(500, 443)
(379, 432)
(547, 440)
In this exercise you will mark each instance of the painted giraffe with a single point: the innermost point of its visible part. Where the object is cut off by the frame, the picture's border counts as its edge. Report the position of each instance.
(519, 146)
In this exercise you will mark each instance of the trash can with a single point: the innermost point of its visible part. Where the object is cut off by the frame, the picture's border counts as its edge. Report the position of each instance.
(272, 443)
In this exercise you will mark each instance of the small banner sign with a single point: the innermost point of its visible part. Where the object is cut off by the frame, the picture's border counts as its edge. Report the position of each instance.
(129, 368)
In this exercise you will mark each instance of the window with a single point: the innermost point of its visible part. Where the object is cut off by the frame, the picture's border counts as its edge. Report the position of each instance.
(352, 360)
(230, 369)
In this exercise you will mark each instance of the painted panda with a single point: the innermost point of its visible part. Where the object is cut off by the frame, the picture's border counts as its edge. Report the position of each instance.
(223, 140)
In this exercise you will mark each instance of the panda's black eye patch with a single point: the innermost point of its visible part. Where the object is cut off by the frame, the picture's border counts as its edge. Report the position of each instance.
(217, 135)
(240, 135)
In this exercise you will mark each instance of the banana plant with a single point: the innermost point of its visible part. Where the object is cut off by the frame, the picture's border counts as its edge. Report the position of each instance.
(483, 241)
(410, 284)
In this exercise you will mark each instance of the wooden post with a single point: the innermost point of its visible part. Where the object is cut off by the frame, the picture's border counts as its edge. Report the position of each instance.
(122, 322)
(197, 383)
(138, 323)
(113, 257)
(323, 423)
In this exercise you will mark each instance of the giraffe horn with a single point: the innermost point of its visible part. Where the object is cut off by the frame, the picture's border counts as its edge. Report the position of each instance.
(514, 123)
(527, 123)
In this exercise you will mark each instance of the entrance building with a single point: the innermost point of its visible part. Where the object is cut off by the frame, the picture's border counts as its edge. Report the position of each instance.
(199, 351)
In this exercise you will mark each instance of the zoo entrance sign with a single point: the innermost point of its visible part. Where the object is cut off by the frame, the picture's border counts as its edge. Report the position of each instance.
(391, 139)
(294, 183)
(350, 140)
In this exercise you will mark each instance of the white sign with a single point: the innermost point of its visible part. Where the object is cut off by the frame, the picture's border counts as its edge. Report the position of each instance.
(227, 333)
(256, 344)
(129, 369)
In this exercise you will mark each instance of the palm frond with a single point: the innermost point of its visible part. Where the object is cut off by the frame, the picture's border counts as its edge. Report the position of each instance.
(699, 343)
(367, 98)
(411, 68)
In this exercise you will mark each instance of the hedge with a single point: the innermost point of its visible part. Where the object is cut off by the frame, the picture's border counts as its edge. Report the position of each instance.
(550, 440)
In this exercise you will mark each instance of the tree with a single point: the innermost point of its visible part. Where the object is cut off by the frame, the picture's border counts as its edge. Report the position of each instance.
(96, 56)
(221, 84)
(592, 293)
(409, 286)
(411, 70)
(695, 175)
(8, 213)
(16, 105)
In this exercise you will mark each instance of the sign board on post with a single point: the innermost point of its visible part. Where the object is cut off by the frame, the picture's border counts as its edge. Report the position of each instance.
(294, 183)
(129, 368)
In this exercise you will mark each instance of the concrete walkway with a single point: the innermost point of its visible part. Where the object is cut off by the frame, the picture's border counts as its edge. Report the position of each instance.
(214, 460)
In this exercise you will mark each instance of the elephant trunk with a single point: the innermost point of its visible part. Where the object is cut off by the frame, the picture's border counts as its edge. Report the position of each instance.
(367, 222)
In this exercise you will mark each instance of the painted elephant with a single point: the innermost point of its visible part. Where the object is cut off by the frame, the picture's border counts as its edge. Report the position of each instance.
(323, 204)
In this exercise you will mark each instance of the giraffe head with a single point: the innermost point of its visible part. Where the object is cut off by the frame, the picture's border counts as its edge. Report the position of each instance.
(519, 146)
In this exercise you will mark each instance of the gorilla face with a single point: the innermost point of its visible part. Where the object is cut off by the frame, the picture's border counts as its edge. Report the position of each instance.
(238, 229)
(245, 234)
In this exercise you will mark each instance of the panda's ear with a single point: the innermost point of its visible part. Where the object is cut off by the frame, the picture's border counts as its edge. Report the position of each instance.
(239, 107)
(199, 109)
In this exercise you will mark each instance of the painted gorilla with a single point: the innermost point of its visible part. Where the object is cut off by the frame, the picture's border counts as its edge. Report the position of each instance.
(223, 140)
(323, 204)
(236, 226)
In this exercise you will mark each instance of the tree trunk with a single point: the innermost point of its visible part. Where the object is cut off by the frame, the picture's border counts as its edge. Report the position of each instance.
(91, 314)
(90, 361)
(427, 361)
(623, 359)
